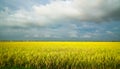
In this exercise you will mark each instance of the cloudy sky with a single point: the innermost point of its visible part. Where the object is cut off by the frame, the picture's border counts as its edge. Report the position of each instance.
(92, 20)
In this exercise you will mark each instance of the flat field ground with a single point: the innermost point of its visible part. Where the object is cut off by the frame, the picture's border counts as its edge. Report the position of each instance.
(59, 55)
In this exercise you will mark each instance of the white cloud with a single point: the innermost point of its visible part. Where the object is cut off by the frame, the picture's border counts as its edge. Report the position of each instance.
(63, 10)
(73, 34)
(86, 36)
(116, 28)
(109, 32)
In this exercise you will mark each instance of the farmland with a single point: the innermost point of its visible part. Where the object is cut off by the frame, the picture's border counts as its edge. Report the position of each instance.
(59, 55)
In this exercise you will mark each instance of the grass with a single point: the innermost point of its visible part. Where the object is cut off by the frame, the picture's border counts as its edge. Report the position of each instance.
(59, 55)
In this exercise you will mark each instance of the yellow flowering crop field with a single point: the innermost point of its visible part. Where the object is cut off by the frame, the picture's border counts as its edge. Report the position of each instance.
(59, 55)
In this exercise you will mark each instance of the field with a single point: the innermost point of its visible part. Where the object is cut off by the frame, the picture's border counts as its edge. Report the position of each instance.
(59, 55)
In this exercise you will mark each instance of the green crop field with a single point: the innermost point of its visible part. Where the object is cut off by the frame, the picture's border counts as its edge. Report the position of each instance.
(59, 55)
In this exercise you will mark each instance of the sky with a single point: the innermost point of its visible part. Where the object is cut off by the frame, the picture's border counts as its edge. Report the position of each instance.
(79, 20)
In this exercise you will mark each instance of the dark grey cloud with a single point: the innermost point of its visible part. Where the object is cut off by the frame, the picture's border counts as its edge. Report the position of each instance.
(115, 14)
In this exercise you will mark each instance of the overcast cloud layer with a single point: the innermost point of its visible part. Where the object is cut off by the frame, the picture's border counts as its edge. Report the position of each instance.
(60, 19)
